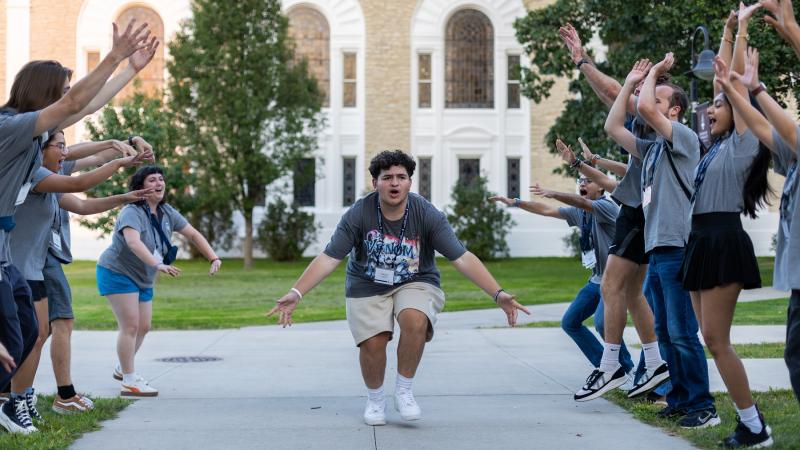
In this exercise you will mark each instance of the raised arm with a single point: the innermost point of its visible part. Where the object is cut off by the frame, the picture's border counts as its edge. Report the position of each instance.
(134, 241)
(726, 45)
(784, 21)
(136, 63)
(648, 108)
(585, 169)
(86, 181)
(93, 154)
(317, 270)
(79, 96)
(87, 206)
(201, 243)
(617, 168)
(739, 56)
(530, 206)
(568, 199)
(615, 122)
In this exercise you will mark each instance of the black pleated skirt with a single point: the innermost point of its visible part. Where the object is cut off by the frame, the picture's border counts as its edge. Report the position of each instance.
(719, 252)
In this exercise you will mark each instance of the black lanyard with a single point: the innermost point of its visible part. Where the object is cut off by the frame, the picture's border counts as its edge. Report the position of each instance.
(702, 168)
(587, 234)
(650, 169)
(155, 223)
(399, 247)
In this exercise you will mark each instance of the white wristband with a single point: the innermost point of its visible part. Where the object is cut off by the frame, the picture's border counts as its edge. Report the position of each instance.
(297, 291)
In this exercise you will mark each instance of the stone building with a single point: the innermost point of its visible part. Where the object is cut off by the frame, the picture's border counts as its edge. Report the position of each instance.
(436, 78)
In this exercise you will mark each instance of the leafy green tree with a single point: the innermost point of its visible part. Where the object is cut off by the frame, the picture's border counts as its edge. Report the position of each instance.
(632, 29)
(286, 231)
(482, 226)
(245, 112)
(148, 117)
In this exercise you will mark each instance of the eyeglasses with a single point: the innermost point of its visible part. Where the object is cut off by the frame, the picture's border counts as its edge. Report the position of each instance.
(61, 145)
(584, 181)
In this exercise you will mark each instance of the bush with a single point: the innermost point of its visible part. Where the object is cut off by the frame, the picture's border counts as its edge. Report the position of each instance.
(572, 242)
(481, 225)
(286, 231)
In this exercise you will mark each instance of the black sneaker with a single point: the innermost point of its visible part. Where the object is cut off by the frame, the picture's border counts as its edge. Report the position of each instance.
(30, 403)
(670, 412)
(743, 437)
(599, 383)
(14, 417)
(651, 379)
(705, 418)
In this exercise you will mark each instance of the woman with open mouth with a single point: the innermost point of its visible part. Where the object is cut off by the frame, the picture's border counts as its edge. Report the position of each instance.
(127, 270)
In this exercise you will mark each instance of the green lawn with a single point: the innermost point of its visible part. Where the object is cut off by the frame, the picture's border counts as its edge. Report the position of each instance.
(236, 297)
(749, 351)
(779, 406)
(58, 431)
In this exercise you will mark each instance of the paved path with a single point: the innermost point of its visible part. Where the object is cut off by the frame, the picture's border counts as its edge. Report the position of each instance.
(484, 388)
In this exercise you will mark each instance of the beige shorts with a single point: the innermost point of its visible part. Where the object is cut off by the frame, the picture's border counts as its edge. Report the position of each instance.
(369, 316)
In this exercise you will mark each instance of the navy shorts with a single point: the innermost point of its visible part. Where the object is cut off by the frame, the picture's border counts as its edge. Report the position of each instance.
(59, 295)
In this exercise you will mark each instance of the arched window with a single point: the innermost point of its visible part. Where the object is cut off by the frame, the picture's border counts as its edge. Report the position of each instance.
(151, 78)
(469, 60)
(309, 30)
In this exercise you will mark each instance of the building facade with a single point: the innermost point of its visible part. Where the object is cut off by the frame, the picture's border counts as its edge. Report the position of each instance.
(436, 78)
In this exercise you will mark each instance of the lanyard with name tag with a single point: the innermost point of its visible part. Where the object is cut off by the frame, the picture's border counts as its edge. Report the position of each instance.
(385, 275)
(23, 194)
(589, 259)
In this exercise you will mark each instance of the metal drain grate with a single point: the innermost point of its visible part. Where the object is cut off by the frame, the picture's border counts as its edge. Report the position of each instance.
(189, 359)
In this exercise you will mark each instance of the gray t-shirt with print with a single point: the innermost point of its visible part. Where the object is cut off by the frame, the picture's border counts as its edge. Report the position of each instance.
(604, 216)
(20, 156)
(666, 216)
(357, 235)
(787, 251)
(35, 219)
(629, 189)
(119, 257)
(65, 254)
(722, 189)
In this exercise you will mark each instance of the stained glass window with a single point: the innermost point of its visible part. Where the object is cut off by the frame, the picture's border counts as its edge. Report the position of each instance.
(469, 60)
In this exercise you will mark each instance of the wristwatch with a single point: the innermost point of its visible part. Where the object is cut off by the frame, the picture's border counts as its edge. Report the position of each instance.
(516, 202)
(761, 88)
(582, 62)
(130, 140)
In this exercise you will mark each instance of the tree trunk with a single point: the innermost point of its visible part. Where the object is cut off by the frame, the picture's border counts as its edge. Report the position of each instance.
(247, 247)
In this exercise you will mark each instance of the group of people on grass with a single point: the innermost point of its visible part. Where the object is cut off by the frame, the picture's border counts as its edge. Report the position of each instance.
(667, 246)
(39, 175)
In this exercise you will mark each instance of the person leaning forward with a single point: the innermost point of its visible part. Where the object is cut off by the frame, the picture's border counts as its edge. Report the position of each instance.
(391, 237)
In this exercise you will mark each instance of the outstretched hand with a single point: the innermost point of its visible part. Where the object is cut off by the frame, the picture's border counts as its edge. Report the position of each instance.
(139, 195)
(508, 303)
(722, 74)
(142, 57)
(130, 41)
(6, 360)
(749, 78)
(540, 191)
(569, 35)
(746, 12)
(782, 18)
(587, 154)
(566, 152)
(285, 306)
(640, 70)
(663, 67)
(502, 199)
(215, 265)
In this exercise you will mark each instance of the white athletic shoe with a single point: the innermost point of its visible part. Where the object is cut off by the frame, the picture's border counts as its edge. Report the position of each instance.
(405, 404)
(628, 384)
(375, 413)
(139, 388)
(117, 373)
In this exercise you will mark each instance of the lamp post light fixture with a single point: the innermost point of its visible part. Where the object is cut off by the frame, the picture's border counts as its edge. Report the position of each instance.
(702, 67)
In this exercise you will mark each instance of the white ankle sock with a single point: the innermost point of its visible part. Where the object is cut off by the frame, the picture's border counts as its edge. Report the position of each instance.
(749, 417)
(609, 363)
(129, 377)
(403, 383)
(376, 395)
(652, 355)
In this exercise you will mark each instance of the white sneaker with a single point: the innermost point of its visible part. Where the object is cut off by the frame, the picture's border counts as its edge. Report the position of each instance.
(139, 388)
(117, 373)
(405, 404)
(375, 413)
(628, 384)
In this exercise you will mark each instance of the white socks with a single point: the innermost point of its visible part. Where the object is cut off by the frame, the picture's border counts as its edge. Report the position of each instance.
(403, 384)
(129, 377)
(609, 363)
(749, 417)
(652, 355)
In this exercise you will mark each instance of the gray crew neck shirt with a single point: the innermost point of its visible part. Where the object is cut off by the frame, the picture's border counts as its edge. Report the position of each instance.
(36, 218)
(65, 255)
(666, 217)
(20, 156)
(787, 251)
(604, 212)
(357, 235)
(722, 189)
(119, 257)
(629, 189)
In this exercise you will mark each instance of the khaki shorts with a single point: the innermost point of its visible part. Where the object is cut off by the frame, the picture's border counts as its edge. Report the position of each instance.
(370, 316)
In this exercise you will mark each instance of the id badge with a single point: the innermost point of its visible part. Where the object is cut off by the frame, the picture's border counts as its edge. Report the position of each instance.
(23, 193)
(647, 197)
(589, 259)
(384, 276)
(55, 241)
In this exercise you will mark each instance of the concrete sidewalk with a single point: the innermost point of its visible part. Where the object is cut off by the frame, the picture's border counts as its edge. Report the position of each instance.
(301, 388)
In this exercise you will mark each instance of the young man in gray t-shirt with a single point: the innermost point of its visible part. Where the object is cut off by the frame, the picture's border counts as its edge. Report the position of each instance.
(391, 237)
(667, 171)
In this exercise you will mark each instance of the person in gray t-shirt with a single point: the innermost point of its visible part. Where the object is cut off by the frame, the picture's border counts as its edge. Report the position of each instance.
(391, 237)
(126, 271)
(595, 215)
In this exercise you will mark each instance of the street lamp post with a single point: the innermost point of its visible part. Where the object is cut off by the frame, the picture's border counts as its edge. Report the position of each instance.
(702, 67)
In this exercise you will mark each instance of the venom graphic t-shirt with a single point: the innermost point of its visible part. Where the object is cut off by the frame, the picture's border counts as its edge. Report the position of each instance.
(358, 235)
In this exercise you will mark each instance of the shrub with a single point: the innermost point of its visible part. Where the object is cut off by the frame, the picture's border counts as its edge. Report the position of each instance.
(572, 242)
(481, 225)
(286, 231)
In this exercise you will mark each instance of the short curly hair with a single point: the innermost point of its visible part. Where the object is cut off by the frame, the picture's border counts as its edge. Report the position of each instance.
(389, 158)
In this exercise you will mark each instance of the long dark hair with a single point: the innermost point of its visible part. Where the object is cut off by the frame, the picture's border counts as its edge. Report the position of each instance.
(38, 85)
(757, 190)
(136, 181)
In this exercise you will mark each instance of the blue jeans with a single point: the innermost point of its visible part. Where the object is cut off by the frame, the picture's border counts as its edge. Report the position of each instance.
(589, 302)
(676, 329)
(640, 368)
(18, 325)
